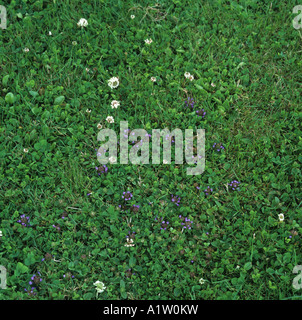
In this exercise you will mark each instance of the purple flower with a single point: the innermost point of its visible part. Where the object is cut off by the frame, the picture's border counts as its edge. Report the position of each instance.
(101, 170)
(234, 185)
(186, 223)
(218, 146)
(175, 199)
(201, 113)
(24, 221)
(127, 195)
(208, 191)
(189, 103)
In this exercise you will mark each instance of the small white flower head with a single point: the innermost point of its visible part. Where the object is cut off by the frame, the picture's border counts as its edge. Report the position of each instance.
(82, 23)
(153, 79)
(202, 281)
(26, 50)
(148, 41)
(132, 16)
(191, 77)
(115, 104)
(25, 150)
(213, 85)
(113, 82)
(112, 159)
(281, 217)
(87, 70)
(99, 126)
(110, 119)
(88, 110)
(49, 33)
(129, 243)
(74, 43)
(100, 287)
(238, 267)
(0, 233)
(187, 75)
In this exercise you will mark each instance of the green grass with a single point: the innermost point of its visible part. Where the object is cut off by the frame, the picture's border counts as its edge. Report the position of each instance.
(249, 50)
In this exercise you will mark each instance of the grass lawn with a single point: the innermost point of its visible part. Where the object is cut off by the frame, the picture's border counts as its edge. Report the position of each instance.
(66, 223)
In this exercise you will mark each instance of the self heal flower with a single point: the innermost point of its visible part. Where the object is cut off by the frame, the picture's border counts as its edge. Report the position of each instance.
(187, 223)
(164, 225)
(35, 279)
(189, 102)
(31, 292)
(135, 208)
(175, 199)
(234, 185)
(201, 113)
(24, 221)
(101, 170)
(208, 191)
(218, 146)
(127, 195)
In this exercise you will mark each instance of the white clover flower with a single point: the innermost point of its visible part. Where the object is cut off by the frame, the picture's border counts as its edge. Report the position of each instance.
(112, 159)
(82, 23)
(281, 217)
(148, 41)
(87, 69)
(115, 104)
(213, 85)
(187, 75)
(100, 287)
(88, 110)
(26, 50)
(113, 82)
(25, 150)
(49, 33)
(110, 119)
(99, 126)
(132, 16)
(191, 77)
(1, 234)
(129, 243)
(153, 79)
(202, 281)
(74, 43)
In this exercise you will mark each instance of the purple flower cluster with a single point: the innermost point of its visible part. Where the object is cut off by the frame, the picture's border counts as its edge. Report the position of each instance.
(164, 225)
(31, 292)
(127, 195)
(57, 227)
(35, 279)
(175, 199)
(201, 113)
(234, 185)
(129, 273)
(208, 191)
(24, 221)
(218, 146)
(187, 223)
(68, 275)
(101, 170)
(135, 208)
(190, 102)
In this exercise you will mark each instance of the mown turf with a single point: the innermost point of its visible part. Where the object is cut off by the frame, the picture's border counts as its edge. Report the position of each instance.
(245, 57)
